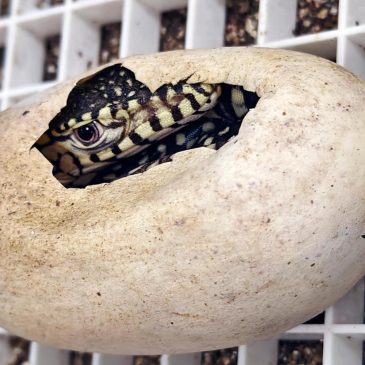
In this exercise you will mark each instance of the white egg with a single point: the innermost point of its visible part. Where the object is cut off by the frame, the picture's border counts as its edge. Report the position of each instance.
(212, 250)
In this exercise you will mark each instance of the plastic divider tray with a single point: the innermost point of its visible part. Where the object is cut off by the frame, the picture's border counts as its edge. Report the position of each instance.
(22, 36)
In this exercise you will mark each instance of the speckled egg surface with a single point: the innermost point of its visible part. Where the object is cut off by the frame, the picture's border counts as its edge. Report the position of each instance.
(211, 250)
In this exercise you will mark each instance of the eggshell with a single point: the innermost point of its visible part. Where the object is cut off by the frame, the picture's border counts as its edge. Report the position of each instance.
(212, 250)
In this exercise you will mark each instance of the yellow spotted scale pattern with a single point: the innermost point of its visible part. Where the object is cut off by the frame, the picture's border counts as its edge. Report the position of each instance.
(113, 126)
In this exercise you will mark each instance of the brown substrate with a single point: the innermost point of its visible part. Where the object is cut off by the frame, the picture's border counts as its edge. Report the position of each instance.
(110, 42)
(241, 22)
(50, 67)
(4, 7)
(300, 352)
(315, 16)
(173, 29)
(80, 358)
(146, 360)
(220, 357)
(19, 351)
(46, 3)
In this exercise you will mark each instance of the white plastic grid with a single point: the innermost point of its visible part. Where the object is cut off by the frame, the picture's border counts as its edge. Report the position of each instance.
(23, 32)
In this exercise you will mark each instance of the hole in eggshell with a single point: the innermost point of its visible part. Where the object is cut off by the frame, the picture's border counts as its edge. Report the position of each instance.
(113, 126)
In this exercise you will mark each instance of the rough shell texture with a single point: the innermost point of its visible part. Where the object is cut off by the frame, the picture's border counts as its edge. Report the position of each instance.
(211, 250)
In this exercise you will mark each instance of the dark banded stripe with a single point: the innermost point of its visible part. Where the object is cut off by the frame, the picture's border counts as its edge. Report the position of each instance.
(162, 93)
(176, 113)
(200, 89)
(94, 157)
(251, 99)
(155, 123)
(116, 124)
(178, 88)
(113, 110)
(194, 103)
(116, 150)
(136, 138)
(94, 114)
(226, 105)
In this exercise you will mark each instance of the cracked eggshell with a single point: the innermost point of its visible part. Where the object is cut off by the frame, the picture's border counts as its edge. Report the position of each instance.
(215, 249)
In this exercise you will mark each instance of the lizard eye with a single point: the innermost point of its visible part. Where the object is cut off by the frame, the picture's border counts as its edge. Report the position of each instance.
(87, 134)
